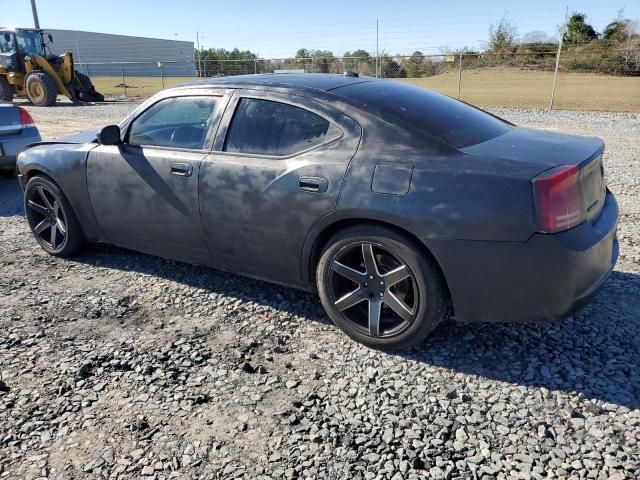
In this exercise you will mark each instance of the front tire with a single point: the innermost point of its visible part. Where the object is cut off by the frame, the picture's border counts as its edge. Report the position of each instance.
(380, 288)
(51, 218)
(41, 89)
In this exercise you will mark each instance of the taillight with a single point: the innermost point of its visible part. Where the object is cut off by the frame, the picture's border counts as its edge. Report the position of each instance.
(558, 199)
(26, 120)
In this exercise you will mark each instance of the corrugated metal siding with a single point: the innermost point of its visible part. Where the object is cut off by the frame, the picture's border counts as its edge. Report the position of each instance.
(105, 54)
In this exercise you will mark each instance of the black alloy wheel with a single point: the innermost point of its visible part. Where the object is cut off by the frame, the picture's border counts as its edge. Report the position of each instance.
(51, 218)
(373, 289)
(379, 288)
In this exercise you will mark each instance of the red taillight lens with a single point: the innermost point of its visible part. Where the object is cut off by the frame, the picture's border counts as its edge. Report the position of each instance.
(558, 199)
(26, 120)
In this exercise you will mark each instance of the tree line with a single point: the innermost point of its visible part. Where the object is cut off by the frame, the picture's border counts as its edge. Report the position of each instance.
(613, 51)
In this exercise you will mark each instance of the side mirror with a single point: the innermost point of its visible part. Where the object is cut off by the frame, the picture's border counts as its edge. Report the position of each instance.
(50, 37)
(109, 135)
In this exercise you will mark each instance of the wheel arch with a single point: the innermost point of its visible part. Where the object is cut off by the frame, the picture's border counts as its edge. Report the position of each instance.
(315, 246)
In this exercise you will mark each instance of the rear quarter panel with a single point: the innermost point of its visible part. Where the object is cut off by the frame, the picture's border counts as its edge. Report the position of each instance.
(450, 196)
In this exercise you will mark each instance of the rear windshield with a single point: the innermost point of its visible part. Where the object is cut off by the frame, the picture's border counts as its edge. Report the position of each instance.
(450, 121)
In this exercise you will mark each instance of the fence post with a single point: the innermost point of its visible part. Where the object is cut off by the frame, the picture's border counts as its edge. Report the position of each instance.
(459, 74)
(555, 73)
(161, 67)
(124, 82)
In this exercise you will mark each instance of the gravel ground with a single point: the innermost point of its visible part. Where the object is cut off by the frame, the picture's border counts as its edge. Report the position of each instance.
(120, 365)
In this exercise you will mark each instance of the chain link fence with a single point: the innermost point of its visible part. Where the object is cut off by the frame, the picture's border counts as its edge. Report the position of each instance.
(573, 78)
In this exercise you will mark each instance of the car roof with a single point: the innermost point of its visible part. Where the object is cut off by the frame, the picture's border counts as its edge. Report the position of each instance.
(296, 81)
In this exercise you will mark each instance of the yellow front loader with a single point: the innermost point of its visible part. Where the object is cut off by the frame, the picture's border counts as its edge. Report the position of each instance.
(26, 70)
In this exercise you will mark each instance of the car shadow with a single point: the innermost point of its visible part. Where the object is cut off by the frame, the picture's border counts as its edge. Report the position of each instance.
(10, 197)
(595, 354)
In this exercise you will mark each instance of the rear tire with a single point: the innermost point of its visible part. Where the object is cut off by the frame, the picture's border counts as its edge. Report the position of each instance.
(51, 218)
(41, 89)
(6, 92)
(380, 288)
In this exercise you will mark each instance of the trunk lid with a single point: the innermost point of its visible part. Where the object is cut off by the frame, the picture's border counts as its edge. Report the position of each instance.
(9, 119)
(547, 150)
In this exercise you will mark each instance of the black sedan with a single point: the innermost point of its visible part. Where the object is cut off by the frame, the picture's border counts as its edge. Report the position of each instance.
(395, 203)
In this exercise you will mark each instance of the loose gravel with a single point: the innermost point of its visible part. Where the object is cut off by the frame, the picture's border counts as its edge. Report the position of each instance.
(120, 365)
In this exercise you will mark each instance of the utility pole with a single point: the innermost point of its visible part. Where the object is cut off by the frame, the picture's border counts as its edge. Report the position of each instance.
(199, 61)
(377, 45)
(555, 74)
(34, 9)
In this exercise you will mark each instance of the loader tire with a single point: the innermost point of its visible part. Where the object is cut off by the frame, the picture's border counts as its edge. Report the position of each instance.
(6, 93)
(87, 92)
(41, 89)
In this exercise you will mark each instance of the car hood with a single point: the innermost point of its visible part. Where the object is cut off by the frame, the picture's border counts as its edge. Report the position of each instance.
(537, 147)
(83, 137)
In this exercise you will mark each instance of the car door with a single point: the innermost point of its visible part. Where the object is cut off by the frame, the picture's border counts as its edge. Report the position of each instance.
(144, 192)
(277, 167)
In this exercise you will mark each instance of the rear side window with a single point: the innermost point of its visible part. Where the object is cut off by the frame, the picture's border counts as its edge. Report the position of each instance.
(452, 122)
(271, 128)
(180, 122)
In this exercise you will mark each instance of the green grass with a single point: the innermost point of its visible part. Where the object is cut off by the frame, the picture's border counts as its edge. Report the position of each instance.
(497, 87)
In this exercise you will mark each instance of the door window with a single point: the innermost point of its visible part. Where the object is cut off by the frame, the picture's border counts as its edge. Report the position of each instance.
(181, 122)
(272, 128)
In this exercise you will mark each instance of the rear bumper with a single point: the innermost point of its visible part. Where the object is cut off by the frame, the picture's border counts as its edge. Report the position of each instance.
(544, 279)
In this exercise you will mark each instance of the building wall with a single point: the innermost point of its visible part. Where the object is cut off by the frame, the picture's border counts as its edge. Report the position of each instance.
(103, 54)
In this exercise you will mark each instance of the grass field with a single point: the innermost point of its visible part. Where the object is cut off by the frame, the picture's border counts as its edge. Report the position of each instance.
(495, 87)
(531, 89)
(136, 86)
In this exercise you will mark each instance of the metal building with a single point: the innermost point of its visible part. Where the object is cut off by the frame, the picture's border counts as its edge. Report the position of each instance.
(104, 54)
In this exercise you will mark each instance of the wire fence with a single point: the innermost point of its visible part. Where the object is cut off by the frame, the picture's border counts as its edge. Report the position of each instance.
(568, 78)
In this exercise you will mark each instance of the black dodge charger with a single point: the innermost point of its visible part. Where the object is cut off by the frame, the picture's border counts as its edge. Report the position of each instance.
(395, 203)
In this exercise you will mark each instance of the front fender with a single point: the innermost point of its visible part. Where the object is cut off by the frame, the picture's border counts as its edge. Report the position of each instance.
(66, 165)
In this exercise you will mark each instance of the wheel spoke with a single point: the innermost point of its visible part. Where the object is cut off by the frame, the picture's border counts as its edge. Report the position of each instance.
(44, 198)
(397, 306)
(369, 259)
(56, 208)
(350, 299)
(375, 306)
(54, 234)
(61, 226)
(396, 275)
(37, 207)
(348, 272)
(42, 226)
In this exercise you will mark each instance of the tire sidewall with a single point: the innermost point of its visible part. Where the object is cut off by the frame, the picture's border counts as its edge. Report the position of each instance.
(48, 86)
(427, 282)
(73, 238)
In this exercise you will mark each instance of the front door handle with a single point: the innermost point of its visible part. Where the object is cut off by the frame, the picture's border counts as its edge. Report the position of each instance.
(182, 169)
(313, 184)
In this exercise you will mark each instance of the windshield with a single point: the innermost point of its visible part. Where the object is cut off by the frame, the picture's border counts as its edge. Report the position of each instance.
(30, 43)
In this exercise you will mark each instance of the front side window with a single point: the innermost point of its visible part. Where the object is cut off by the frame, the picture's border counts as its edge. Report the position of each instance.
(271, 128)
(180, 122)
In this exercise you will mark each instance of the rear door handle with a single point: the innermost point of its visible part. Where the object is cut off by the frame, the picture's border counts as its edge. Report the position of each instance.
(182, 169)
(313, 184)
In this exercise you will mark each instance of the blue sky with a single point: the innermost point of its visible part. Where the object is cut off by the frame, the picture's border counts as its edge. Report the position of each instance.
(279, 28)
